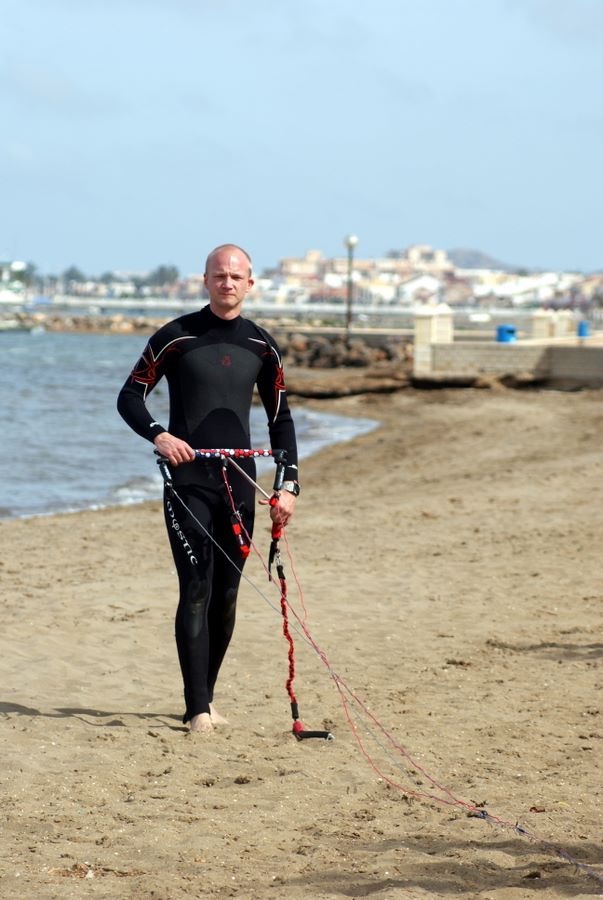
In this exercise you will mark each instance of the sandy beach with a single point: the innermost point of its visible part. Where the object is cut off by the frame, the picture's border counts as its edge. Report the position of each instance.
(451, 569)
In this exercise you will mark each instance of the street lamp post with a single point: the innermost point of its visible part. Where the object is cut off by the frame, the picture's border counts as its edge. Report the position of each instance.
(350, 242)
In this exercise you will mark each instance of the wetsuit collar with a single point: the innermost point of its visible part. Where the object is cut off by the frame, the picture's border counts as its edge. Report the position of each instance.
(218, 322)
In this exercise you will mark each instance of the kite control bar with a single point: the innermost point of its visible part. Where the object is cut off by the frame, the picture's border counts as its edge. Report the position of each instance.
(237, 454)
(229, 457)
(164, 468)
(279, 457)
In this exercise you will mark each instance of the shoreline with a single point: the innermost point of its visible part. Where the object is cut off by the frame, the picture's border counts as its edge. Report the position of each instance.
(139, 480)
(451, 573)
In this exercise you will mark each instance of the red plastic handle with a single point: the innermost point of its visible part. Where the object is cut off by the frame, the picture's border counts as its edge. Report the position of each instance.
(277, 528)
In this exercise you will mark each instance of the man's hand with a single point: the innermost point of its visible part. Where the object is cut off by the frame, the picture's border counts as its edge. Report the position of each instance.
(282, 510)
(175, 450)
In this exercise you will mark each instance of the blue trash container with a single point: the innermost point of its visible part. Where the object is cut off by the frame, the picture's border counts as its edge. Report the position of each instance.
(506, 334)
(583, 329)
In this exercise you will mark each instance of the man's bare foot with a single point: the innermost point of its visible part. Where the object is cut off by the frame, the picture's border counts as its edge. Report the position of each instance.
(201, 723)
(216, 718)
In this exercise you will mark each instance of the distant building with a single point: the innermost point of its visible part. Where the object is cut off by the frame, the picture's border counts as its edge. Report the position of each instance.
(419, 289)
(424, 258)
(312, 265)
(528, 290)
(12, 272)
(592, 288)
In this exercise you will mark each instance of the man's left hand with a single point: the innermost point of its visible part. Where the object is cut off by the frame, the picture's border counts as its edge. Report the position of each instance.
(282, 510)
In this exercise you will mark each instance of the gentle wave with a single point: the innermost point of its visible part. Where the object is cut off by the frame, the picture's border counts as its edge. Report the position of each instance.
(64, 446)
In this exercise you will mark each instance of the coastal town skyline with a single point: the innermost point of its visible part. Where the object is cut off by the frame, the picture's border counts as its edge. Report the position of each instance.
(411, 276)
(459, 257)
(146, 133)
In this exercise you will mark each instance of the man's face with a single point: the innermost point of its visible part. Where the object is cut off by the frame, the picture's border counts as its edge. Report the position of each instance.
(227, 281)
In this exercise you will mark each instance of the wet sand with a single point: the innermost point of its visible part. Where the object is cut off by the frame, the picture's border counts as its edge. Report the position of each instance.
(451, 568)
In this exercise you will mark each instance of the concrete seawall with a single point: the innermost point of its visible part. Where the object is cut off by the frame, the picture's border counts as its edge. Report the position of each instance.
(555, 363)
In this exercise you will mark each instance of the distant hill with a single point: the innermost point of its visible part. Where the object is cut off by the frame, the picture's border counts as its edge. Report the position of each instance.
(466, 258)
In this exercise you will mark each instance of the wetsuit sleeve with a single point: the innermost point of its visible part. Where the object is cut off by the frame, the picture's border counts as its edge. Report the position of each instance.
(273, 394)
(131, 402)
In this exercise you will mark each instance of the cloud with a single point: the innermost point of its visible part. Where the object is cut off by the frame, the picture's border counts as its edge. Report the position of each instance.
(45, 89)
(578, 21)
(20, 154)
(37, 86)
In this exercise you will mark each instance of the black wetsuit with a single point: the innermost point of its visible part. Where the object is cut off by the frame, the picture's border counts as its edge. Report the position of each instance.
(211, 366)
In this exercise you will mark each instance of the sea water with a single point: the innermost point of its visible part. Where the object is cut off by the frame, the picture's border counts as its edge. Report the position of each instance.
(63, 445)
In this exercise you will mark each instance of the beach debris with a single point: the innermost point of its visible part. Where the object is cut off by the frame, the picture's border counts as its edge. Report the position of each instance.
(87, 870)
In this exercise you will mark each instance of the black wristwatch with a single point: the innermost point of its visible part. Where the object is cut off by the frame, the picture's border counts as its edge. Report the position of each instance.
(291, 486)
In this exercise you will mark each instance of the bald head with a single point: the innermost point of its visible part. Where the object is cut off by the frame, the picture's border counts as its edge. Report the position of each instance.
(227, 248)
(227, 279)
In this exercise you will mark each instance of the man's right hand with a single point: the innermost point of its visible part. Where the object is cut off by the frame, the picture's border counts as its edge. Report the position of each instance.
(175, 450)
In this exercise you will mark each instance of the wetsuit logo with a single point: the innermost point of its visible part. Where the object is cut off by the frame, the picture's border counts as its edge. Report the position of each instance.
(176, 526)
(226, 360)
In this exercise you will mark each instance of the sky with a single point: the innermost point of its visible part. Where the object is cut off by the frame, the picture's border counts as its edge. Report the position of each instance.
(145, 132)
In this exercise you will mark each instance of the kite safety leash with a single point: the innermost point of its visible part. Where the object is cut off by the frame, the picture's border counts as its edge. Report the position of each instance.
(274, 558)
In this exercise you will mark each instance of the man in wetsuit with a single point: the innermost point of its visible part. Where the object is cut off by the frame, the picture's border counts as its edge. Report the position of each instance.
(212, 360)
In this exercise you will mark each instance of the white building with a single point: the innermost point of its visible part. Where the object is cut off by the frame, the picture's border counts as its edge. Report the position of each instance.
(419, 289)
(529, 289)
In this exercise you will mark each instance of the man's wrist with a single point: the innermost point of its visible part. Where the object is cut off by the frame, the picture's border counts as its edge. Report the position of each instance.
(155, 433)
(292, 487)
